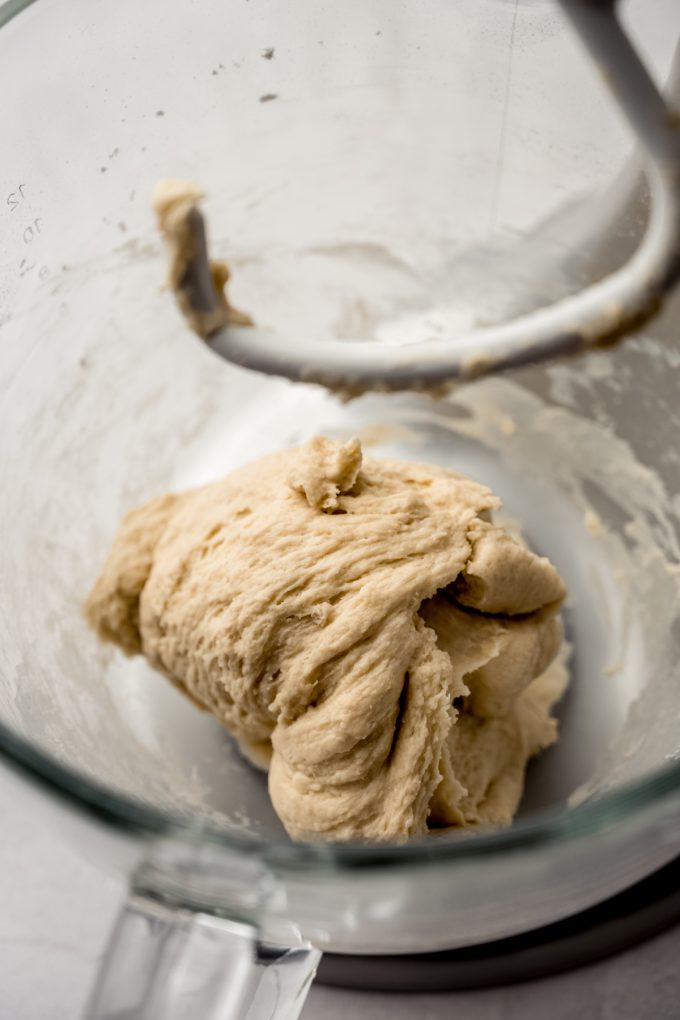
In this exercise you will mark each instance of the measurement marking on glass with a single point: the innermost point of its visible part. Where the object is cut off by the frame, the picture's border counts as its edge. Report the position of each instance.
(15, 198)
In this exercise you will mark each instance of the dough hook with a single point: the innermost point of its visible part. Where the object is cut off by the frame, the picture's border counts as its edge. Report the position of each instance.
(598, 315)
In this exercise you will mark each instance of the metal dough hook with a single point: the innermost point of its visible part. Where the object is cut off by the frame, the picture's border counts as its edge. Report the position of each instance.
(601, 314)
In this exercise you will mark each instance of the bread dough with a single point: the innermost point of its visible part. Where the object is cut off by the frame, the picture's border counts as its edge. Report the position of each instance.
(199, 284)
(360, 623)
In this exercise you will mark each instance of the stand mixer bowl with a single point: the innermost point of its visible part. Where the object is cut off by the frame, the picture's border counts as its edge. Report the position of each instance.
(363, 164)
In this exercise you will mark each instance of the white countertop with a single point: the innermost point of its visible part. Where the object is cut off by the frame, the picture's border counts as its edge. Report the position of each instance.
(56, 911)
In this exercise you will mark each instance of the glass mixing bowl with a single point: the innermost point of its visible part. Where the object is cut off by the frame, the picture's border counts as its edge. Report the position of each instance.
(363, 162)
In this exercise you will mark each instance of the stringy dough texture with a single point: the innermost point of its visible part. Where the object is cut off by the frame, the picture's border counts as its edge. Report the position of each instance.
(358, 624)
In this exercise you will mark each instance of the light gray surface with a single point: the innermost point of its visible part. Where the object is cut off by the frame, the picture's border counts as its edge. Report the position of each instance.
(56, 911)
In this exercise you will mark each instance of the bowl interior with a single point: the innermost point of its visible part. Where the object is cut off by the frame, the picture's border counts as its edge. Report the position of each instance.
(345, 209)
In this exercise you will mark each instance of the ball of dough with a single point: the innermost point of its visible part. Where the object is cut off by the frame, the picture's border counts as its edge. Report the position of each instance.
(360, 624)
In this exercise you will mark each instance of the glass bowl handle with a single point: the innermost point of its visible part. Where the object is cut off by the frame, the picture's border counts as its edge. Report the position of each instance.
(167, 962)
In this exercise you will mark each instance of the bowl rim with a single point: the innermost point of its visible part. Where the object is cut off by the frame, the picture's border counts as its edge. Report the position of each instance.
(10, 8)
(137, 820)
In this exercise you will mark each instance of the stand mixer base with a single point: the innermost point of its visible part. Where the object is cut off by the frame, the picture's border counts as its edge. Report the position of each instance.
(636, 914)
